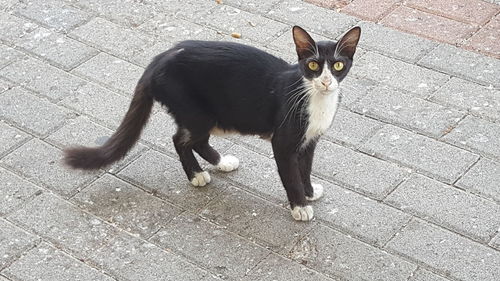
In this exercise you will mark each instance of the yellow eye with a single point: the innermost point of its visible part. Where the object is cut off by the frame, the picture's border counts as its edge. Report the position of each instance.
(313, 65)
(338, 66)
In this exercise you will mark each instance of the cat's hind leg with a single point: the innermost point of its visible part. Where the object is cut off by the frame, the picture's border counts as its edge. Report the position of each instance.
(183, 142)
(226, 163)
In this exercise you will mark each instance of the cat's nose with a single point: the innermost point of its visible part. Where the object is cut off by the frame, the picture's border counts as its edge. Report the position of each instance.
(326, 83)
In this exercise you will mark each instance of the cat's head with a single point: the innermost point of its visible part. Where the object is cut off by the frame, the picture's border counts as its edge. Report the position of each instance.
(325, 64)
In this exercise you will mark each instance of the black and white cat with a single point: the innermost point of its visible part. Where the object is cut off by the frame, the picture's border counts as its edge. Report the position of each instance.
(221, 87)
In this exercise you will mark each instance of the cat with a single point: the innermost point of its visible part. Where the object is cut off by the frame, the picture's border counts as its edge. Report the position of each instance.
(213, 87)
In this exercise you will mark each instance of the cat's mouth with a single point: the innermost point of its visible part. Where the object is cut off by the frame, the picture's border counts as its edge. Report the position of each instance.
(325, 89)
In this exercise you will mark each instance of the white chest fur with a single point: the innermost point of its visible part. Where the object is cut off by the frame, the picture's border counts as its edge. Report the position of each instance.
(321, 110)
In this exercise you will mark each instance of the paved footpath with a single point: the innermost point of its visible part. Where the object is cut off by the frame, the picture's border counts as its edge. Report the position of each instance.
(411, 165)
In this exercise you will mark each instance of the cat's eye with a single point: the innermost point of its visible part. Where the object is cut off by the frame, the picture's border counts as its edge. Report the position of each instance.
(313, 65)
(338, 66)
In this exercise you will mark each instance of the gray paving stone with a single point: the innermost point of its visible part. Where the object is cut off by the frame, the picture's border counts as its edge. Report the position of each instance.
(130, 259)
(258, 7)
(15, 191)
(103, 105)
(31, 113)
(256, 28)
(10, 137)
(112, 72)
(82, 131)
(398, 74)
(483, 178)
(13, 28)
(167, 28)
(288, 56)
(275, 267)
(160, 129)
(5, 85)
(34, 74)
(8, 55)
(495, 242)
(424, 275)
(257, 174)
(14, 242)
(163, 176)
(50, 264)
(465, 64)
(223, 253)
(358, 171)
(463, 212)
(41, 163)
(447, 252)
(367, 219)
(129, 13)
(54, 14)
(284, 44)
(63, 224)
(144, 58)
(351, 129)
(326, 22)
(394, 43)
(428, 156)
(254, 143)
(126, 206)
(400, 108)
(478, 100)
(353, 88)
(59, 50)
(6, 5)
(110, 37)
(255, 218)
(190, 10)
(478, 135)
(335, 254)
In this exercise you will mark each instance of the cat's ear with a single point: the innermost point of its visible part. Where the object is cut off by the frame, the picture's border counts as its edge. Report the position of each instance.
(304, 44)
(347, 44)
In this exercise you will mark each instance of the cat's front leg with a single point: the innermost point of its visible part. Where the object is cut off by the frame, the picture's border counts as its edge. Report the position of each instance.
(313, 191)
(287, 160)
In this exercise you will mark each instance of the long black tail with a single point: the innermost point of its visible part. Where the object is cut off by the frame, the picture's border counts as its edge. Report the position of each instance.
(116, 147)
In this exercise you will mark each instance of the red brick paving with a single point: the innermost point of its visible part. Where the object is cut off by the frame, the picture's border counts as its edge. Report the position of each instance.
(487, 40)
(469, 11)
(371, 10)
(428, 25)
(470, 24)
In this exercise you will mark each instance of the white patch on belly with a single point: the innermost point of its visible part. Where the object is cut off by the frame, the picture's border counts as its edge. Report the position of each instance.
(321, 110)
(216, 131)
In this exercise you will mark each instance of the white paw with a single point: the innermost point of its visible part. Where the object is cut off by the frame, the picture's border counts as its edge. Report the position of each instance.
(305, 213)
(318, 192)
(228, 163)
(201, 179)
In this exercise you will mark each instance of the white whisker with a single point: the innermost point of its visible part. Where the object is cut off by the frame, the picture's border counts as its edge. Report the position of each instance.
(342, 47)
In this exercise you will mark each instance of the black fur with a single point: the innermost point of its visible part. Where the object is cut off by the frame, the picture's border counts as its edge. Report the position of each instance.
(233, 87)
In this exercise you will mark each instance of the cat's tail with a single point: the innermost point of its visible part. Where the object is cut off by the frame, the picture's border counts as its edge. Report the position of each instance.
(117, 146)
